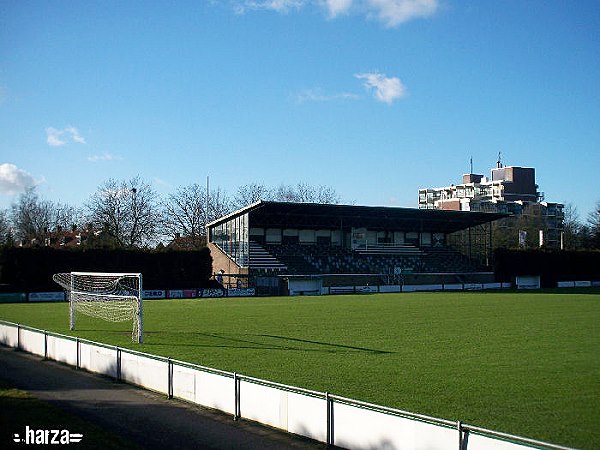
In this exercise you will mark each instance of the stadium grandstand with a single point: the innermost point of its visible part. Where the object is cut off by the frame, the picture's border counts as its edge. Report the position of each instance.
(267, 244)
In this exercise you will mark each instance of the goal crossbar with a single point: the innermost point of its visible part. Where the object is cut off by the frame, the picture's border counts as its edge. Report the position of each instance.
(108, 274)
(107, 296)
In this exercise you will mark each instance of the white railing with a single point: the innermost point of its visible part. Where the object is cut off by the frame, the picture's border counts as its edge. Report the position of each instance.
(317, 415)
(389, 248)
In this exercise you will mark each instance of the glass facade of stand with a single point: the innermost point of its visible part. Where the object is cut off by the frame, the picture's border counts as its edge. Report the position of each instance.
(232, 238)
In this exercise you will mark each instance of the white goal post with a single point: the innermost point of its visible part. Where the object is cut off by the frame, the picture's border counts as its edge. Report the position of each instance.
(114, 297)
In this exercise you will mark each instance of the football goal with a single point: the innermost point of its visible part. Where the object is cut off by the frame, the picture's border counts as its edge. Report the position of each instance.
(115, 297)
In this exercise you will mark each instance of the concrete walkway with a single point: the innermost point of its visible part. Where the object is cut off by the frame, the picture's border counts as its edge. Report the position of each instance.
(142, 417)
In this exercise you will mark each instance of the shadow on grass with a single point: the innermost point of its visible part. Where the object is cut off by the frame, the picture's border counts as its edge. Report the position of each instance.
(257, 342)
(345, 347)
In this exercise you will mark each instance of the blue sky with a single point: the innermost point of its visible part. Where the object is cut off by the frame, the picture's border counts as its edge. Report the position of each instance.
(376, 98)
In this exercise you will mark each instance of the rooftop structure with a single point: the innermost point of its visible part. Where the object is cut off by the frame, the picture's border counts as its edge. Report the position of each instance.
(506, 184)
(509, 189)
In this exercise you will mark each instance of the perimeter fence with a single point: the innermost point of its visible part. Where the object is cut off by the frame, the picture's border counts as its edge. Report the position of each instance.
(321, 416)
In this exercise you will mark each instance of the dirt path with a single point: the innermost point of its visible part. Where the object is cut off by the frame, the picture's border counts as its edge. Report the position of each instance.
(145, 418)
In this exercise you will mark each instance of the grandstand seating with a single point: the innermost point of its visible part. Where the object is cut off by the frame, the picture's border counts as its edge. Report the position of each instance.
(388, 249)
(318, 259)
(293, 238)
(261, 259)
(446, 259)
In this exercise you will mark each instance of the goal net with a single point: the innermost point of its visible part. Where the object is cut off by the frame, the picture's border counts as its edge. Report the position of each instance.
(114, 297)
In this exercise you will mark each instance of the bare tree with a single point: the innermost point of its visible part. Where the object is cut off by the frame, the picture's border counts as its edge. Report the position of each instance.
(327, 194)
(219, 204)
(301, 193)
(185, 213)
(31, 217)
(594, 226)
(306, 193)
(571, 227)
(128, 211)
(189, 209)
(5, 229)
(66, 216)
(251, 193)
(284, 193)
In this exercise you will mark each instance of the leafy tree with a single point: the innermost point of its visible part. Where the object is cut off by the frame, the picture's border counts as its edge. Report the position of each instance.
(128, 211)
(504, 233)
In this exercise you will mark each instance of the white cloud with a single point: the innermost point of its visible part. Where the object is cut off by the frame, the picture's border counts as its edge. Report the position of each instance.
(391, 12)
(282, 6)
(337, 7)
(315, 95)
(75, 135)
(14, 180)
(53, 137)
(162, 182)
(104, 157)
(58, 138)
(387, 89)
(395, 12)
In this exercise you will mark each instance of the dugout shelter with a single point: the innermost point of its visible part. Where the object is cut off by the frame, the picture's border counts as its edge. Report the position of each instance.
(269, 241)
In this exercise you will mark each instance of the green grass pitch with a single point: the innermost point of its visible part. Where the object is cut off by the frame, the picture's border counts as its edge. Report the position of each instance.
(521, 363)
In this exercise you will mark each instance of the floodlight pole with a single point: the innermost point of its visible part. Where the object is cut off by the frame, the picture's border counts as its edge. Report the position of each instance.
(206, 215)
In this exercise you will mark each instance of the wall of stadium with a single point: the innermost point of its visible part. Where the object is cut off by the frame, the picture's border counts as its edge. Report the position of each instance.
(317, 415)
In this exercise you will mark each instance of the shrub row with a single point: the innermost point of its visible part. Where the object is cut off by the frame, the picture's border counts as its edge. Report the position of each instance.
(31, 269)
(551, 265)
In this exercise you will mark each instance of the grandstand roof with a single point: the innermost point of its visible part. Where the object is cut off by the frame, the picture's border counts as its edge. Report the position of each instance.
(314, 215)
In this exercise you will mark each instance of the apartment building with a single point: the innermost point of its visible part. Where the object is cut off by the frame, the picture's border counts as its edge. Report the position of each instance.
(508, 189)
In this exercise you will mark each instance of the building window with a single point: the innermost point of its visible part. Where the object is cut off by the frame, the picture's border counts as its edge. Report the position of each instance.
(232, 237)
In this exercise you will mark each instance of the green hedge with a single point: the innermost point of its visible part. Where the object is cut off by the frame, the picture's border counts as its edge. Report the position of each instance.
(552, 266)
(31, 269)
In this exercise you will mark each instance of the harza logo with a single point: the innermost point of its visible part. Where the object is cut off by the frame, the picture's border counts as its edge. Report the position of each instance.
(47, 437)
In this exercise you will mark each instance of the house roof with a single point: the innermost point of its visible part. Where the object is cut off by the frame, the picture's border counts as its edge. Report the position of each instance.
(265, 214)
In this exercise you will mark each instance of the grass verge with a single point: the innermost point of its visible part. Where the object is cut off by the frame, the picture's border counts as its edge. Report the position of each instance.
(20, 409)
